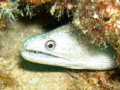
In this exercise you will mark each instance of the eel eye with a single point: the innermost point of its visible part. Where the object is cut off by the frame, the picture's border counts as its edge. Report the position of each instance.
(50, 45)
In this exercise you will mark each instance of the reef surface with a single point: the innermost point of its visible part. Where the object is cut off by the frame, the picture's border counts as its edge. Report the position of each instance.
(20, 19)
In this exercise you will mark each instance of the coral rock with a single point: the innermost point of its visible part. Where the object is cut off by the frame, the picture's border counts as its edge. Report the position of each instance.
(100, 19)
(61, 5)
(39, 2)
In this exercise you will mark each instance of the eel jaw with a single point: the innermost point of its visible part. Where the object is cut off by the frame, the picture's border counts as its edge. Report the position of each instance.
(37, 54)
(43, 58)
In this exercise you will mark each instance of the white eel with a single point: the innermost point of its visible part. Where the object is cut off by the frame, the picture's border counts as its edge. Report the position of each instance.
(67, 47)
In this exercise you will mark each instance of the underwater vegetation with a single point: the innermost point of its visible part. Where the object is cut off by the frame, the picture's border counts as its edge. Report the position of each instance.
(63, 6)
(57, 8)
(8, 11)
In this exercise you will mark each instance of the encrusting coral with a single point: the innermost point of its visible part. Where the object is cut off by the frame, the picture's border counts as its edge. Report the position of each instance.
(57, 7)
(100, 19)
(9, 9)
(63, 5)
(38, 2)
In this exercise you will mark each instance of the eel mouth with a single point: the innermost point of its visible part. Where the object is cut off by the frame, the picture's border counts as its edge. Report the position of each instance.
(38, 54)
(44, 58)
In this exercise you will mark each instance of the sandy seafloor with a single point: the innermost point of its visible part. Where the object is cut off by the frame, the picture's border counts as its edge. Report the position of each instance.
(19, 74)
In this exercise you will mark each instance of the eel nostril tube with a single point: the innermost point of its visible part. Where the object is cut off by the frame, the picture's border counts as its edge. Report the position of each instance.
(22, 42)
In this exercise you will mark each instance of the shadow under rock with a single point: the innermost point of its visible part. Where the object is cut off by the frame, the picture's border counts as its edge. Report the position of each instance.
(24, 64)
(30, 66)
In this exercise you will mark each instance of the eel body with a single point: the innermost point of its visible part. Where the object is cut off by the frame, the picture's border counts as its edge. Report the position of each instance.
(67, 47)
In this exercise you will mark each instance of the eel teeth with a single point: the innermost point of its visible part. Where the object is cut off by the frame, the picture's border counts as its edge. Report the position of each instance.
(34, 51)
